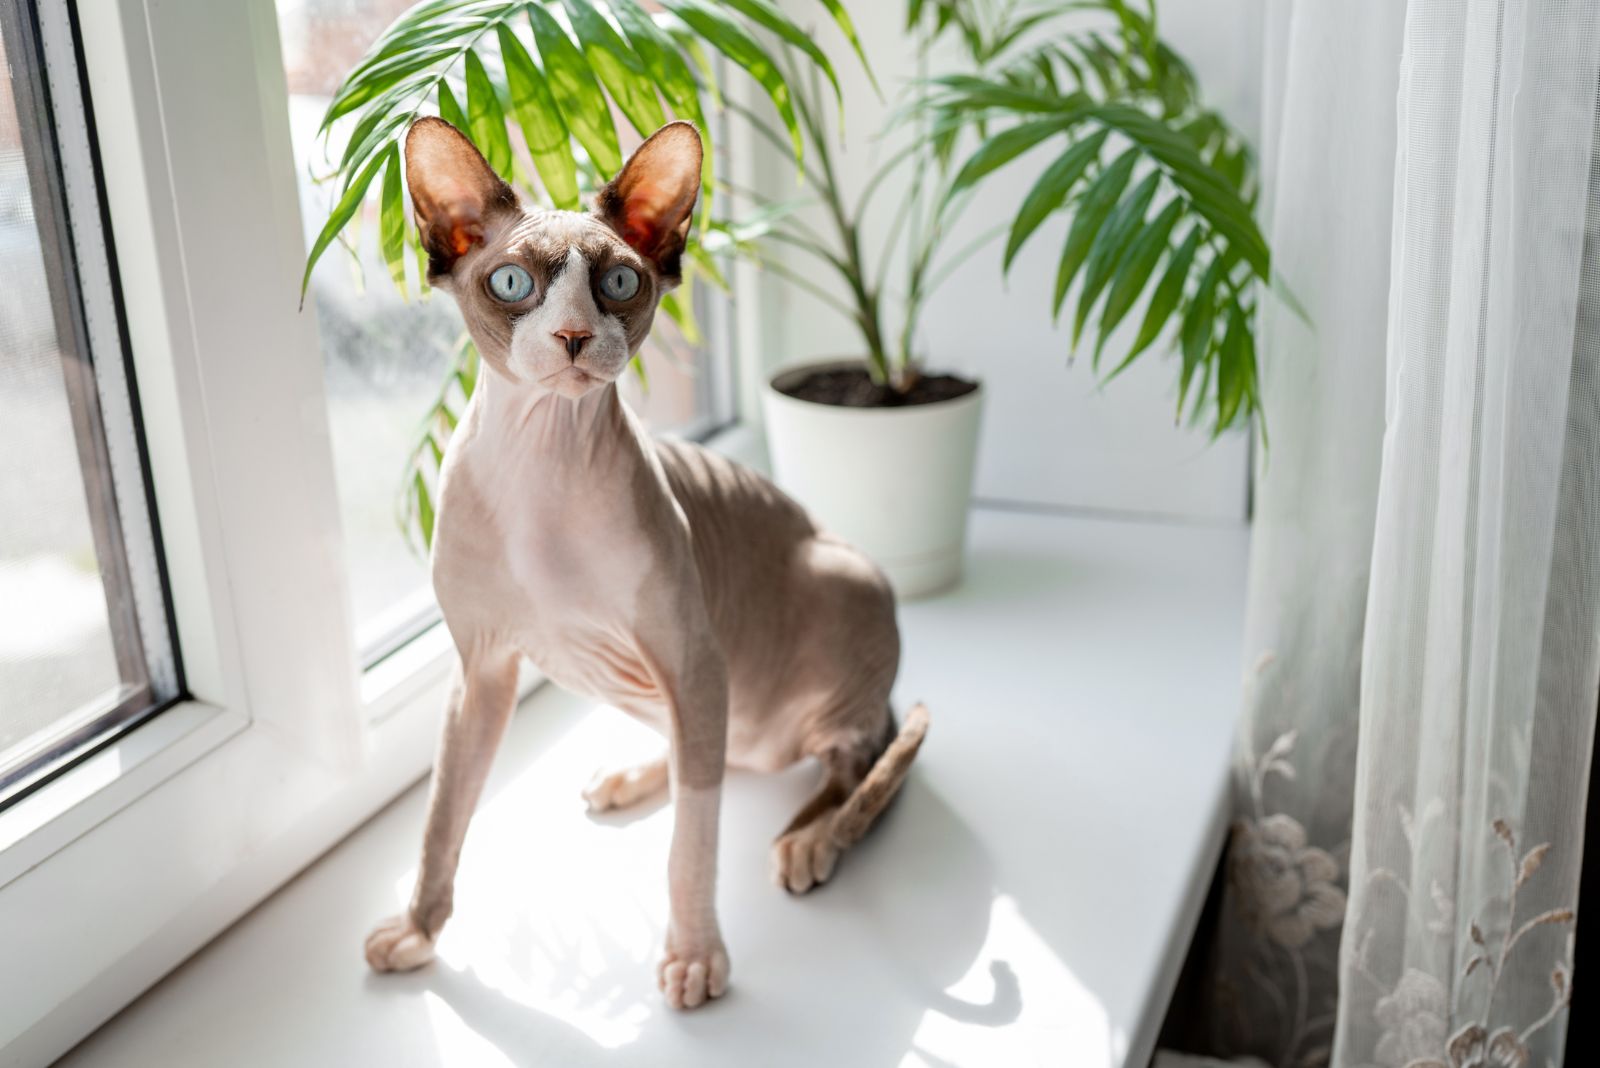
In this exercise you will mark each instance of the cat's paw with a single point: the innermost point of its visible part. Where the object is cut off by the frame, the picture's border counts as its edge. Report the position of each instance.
(805, 857)
(611, 790)
(398, 945)
(693, 975)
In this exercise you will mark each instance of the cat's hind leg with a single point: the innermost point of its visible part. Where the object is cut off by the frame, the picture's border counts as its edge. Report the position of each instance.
(861, 776)
(622, 788)
(804, 854)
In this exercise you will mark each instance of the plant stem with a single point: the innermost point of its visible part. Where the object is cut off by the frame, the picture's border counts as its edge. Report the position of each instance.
(794, 278)
(853, 270)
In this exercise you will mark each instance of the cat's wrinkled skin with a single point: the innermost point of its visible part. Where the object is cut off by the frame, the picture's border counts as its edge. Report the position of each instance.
(659, 577)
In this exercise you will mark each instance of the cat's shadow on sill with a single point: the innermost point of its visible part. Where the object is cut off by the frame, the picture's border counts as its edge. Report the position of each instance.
(845, 975)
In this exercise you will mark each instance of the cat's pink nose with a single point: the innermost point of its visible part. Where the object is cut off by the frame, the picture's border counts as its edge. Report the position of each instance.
(573, 338)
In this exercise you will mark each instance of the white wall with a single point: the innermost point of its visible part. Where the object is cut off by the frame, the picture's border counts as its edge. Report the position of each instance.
(1051, 437)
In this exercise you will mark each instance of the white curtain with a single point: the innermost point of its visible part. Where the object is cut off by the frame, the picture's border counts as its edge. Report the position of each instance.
(1424, 627)
(1481, 661)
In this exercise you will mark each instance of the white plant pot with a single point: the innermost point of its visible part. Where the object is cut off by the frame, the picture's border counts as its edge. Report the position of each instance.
(894, 482)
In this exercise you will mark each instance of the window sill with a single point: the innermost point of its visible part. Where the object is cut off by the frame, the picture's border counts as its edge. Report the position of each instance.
(57, 813)
(1029, 900)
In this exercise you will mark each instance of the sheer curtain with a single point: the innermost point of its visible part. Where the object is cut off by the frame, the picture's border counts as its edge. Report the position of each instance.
(1480, 666)
(1425, 605)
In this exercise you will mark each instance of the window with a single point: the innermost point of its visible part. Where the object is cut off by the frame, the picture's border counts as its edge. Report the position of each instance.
(84, 643)
(386, 356)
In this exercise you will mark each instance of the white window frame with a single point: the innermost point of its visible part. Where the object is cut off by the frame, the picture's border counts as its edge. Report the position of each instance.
(116, 871)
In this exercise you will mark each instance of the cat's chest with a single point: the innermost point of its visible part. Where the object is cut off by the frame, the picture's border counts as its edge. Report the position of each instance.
(521, 546)
(533, 548)
(555, 578)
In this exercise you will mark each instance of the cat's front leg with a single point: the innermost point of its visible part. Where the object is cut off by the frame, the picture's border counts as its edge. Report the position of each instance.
(481, 698)
(694, 966)
(694, 963)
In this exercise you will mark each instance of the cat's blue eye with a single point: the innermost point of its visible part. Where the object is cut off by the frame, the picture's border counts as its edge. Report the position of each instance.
(510, 283)
(620, 282)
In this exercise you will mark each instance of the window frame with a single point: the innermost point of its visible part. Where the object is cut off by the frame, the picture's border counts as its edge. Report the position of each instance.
(282, 743)
(77, 264)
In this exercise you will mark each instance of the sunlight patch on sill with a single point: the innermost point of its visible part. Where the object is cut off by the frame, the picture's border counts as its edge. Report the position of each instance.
(530, 938)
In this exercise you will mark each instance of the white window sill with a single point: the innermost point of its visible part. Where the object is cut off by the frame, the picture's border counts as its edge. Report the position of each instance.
(1028, 900)
(57, 813)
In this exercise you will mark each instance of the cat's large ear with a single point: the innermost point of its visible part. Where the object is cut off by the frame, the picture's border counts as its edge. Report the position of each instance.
(457, 197)
(649, 204)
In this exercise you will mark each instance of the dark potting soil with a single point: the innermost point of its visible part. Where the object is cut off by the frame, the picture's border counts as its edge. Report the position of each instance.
(852, 387)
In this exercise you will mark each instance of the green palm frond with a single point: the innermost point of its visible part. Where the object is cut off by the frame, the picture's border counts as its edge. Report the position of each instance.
(1159, 192)
(419, 486)
(551, 72)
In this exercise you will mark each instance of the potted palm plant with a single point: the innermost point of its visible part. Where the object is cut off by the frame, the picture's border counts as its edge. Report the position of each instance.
(1159, 189)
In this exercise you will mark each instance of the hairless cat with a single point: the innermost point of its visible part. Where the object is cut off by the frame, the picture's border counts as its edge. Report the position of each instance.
(658, 576)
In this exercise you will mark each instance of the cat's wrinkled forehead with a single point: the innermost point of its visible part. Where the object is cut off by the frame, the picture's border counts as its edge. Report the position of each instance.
(548, 237)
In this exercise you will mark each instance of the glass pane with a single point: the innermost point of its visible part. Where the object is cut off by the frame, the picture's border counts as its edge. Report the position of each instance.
(64, 613)
(386, 357)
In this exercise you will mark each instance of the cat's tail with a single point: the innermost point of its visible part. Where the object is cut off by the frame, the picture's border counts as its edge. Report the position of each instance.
(867, 801)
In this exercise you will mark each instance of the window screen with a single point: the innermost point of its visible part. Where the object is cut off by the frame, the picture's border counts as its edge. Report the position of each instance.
(85, 646)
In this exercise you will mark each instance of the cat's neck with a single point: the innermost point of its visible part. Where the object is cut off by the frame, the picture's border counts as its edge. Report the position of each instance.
(533, 418)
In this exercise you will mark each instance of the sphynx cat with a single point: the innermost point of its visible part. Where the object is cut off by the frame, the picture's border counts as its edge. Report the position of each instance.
(655, 575)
